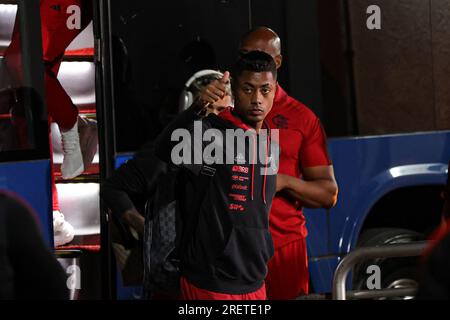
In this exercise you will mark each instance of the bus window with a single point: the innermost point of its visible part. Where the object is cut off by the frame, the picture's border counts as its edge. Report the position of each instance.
(22, 111)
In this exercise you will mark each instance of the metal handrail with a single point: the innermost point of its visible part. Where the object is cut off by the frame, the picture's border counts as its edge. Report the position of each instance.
(381, 293)
(410, 249)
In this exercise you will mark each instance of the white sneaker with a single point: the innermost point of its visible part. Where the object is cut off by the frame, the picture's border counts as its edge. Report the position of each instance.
(62, 230)
(72, 165)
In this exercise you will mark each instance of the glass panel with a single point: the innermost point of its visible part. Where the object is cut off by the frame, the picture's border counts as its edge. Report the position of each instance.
(22, 124)
(11, 125)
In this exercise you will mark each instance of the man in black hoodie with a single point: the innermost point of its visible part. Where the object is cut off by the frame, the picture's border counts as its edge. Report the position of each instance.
(137, 180)
(227, 254)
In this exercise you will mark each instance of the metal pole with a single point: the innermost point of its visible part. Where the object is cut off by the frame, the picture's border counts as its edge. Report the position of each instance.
(35, 107)
(387, 251)
(105, 116)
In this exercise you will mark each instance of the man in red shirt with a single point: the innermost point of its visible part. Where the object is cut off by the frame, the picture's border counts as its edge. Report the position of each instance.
(305, 172)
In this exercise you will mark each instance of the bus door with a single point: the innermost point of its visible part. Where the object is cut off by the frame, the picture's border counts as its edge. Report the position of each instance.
(24, 144)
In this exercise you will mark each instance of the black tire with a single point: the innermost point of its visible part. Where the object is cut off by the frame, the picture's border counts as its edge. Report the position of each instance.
(395, 272)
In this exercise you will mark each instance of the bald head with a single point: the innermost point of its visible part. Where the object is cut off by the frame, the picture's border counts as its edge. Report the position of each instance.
(262, 39)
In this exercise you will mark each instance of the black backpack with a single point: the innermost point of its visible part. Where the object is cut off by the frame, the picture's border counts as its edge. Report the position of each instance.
(167, 231)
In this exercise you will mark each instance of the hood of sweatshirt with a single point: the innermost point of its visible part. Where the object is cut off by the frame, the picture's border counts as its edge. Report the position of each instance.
(228, 115)
(227, 120)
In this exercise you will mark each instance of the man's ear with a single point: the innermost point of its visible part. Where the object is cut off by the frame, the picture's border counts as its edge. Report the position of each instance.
(278, 60)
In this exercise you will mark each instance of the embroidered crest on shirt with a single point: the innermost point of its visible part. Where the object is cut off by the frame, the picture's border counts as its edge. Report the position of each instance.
(280, 121)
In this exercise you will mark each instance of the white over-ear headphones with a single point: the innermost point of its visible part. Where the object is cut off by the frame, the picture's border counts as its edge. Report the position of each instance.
(187, 97)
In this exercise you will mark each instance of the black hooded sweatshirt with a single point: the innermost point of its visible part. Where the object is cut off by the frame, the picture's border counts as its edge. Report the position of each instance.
(231, 243)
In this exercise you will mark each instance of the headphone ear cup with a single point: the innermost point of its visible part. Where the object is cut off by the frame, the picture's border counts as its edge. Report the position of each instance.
(189, 99)
(186, 97)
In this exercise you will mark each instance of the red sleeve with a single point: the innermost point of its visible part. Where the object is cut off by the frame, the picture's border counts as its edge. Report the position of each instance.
(314, 151)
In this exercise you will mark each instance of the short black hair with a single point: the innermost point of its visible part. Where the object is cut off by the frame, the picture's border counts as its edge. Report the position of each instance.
(255, 61)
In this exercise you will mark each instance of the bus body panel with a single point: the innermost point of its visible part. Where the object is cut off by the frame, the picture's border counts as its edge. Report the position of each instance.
(31, 181)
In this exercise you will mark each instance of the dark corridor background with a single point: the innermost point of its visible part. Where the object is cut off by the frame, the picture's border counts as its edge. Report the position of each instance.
(358, 81)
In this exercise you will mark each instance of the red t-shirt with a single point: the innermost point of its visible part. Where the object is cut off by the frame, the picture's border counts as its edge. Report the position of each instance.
(302, 144)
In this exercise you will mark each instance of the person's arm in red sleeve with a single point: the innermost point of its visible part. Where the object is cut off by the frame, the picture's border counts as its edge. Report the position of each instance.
(318, 188)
